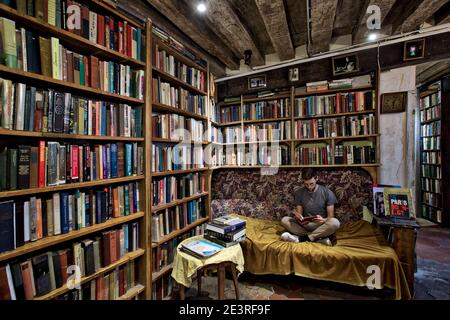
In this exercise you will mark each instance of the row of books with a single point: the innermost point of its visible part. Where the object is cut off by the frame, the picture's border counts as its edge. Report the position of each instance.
(258, 132)
(333, 104)
(267, 109)
(433, 157)
(176, 45)
(163, 255)
(432, 199)
(169, 189)
(216, 134)
(431, 129)
(109, 286)
(432, 143)
(27, 108)
(31, 219)
(431, 213)
(430, 114)
(167, 94)
(164, 61)
(51, 59)
(176, 218)
(430, 101)
(163, 288)
(431, 185)
(230, 114)
(253, 155)
(431, 171)
(53, 163)
(48, 271)
(217, 157)
(108, 31)
(177, 127)
(178, 157)
(314, 155)
(226, 231)
(354, 154)
(335, 127)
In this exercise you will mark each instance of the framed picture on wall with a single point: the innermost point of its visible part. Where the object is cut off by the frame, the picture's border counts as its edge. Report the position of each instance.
(345, 64)
(393, 102)
(257, 82)
(414, 49)
(294, 74)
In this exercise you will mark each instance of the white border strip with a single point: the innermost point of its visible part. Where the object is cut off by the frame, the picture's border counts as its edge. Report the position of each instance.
(380, 43)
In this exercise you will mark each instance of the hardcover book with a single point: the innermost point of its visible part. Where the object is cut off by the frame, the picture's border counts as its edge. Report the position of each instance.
(399, 203)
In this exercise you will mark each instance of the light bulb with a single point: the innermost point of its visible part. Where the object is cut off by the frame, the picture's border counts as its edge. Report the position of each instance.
(372, 37)
(201, 7)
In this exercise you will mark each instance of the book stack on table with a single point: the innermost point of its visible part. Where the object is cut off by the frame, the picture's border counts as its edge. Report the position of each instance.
(226, 231)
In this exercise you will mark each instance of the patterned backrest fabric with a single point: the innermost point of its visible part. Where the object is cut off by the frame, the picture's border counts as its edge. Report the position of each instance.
(249, 193)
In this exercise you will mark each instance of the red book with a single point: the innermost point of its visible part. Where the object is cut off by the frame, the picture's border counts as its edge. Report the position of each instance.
(338, 103)
(106, 248)
(129, 38)
(27, 279)
(120, 38)
(41, 180)
(113, 246)
(99, 288)
(122, 282)
(64, 263)
(93, 71)
(86, 72)
(74, 156)
(5, 293)
(100, 29)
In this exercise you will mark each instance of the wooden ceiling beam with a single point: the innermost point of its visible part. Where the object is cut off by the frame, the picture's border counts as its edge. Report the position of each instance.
(322, 22)
(426, 9)
(443, 14)
(223, 19)
(296, 14)
(274, 16)
(361, 31)
(183, 17)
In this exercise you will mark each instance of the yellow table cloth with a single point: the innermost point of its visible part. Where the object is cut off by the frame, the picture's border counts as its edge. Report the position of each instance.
(185, 266)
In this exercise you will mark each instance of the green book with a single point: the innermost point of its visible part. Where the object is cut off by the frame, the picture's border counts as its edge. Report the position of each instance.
(12, 165)
(8, 48)
(82, 82)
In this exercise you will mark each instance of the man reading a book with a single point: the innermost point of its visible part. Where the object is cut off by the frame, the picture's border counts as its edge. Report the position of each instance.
(314, 213)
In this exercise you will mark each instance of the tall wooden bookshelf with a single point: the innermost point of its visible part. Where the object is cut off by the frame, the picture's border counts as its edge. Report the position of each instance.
(139, 257)
(171, 220)
(289, 118)
(434, 134)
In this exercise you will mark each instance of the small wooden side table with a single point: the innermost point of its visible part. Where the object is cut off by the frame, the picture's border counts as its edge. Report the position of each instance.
(402, 235)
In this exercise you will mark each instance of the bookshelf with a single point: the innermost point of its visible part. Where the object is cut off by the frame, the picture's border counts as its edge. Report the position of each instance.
(105, 201)
(312, 128)
(434, 133)
(180, 176)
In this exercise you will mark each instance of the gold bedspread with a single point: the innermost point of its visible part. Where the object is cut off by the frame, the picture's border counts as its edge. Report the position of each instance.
(358, 246)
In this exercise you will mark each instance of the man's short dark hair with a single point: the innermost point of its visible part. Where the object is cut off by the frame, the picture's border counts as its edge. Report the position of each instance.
(309, 174)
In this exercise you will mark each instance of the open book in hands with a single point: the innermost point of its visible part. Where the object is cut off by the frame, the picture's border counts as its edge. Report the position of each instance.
(306, 220)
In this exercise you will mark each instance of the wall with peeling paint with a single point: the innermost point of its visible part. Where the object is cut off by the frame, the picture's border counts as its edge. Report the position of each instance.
(398, 130)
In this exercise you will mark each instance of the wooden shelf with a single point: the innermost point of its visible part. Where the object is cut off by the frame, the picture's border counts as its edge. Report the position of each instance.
(171, 173)
(433, 192)
(337, 138)
(69, 39)
(431, 164)
(161, 140)
(126, 258)
(132, 292)
(301, 166)
(254, 142)
(266, 120)
(178, 55)
(232, 123)
(334, 115)
(173, 80)
(431, 121)
(163, 271)
(430, 205)
(53, 240)
(48, 135)
(67, 186)
(40, 80)
(430, 107)
(432, 150)
(177, 233)
(177, 202)
(271, 98)
(333, 91)
(165, 108)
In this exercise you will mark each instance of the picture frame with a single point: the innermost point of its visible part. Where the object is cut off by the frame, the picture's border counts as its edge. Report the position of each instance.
(414, 49)
(345, 64)
(399, 203)
(394, 102)
(257, 82)
(294, 74)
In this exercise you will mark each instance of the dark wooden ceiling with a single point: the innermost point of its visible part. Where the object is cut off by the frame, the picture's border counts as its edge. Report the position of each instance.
(229, 27)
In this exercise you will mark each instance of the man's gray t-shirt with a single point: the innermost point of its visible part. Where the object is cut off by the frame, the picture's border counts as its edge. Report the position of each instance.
(314, 203)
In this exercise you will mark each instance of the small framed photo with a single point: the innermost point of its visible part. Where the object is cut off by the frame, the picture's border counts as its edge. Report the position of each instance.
(257, 82)
(393, 102)
(345, 64)
(414, 49)
(294, 74)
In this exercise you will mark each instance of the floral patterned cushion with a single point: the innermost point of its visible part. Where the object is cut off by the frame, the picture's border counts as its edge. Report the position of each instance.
(247, 192)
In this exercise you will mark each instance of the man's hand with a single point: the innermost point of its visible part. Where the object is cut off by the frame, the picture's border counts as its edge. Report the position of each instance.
(319, 219)
(298, 216)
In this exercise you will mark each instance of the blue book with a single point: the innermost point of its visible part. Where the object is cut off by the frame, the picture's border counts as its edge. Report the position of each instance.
(94, 166)
(98, 205)
(105, 162)
(134, 187)
(64, 212)
(128, 159)
(139, 43)
(7, 239)
(126, 242)
(114, 160)
(111, 76)
(126, 196)
(103, 120)
(104, 207)
(108, 161)
(87, 210)
(32, 108)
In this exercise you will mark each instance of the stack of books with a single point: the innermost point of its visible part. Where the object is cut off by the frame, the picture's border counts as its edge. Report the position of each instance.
(317, 86)
(226, 231)
(201, 248)
(341, 84)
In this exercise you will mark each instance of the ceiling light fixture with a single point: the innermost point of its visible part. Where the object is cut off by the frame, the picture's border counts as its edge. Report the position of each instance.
(201, 7)
(373, 36)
